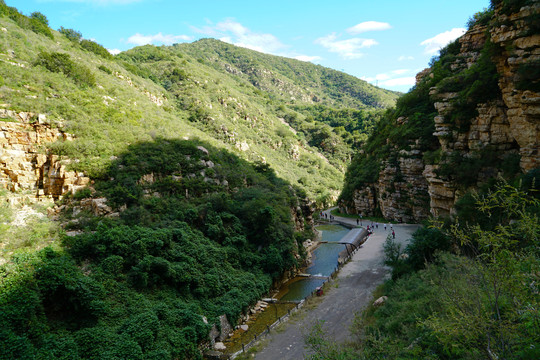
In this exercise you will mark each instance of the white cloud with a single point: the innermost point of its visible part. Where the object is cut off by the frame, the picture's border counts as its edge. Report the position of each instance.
(159, 38)
(409, 80)
(368, 26)
(403, 57)
(434, 44)
(389, 79)
(348, 49)
(308, 58)
(400, 71)
(237, 34)
(232, 26)
(378, 77)
(114, 51)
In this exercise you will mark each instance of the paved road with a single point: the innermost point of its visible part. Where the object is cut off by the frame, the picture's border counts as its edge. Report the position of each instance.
(357, 281)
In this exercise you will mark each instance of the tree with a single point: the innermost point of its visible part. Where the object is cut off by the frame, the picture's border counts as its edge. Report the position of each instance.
(40, 17)
(71, 34)
(490, 303)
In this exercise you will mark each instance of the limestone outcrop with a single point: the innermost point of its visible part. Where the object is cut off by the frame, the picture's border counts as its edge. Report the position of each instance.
(520, 48)
(26, 165)
(409, 188)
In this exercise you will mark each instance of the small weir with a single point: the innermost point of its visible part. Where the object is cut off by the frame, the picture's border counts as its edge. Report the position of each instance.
(325, 261)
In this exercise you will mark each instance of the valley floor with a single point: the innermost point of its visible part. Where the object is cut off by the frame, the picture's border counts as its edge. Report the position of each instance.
(351, 292)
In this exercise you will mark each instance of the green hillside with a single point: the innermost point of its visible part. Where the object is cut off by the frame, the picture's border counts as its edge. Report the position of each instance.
(289, 80)
(210, 157)
(199, 99)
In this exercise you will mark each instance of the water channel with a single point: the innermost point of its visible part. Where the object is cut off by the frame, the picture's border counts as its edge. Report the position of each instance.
(324, 262)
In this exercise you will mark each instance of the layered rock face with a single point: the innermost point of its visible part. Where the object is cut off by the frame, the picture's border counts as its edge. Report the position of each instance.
(24, 162)
(411, 190)
(520, 46)
(401, 192)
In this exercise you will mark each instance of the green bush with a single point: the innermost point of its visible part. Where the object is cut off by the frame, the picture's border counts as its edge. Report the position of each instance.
(476, 85)
(96, 49)
(424, 245)
(82, 194)
(40, 17)
(37, 22)
(72, 35)
(105, 69)
(62, 63)
(481, 18)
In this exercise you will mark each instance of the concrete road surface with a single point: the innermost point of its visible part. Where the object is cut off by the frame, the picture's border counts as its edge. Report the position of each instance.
(356, 282)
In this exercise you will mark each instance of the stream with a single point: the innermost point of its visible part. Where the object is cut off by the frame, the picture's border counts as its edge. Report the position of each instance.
(324, 262)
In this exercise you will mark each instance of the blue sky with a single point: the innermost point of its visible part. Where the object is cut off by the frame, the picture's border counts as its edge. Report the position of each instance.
(385, 42)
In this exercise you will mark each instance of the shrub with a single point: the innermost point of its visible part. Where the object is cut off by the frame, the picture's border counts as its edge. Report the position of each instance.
(62, 63)
(480, 18)
(37, 22)
(82, 194)
(96, 49)
(40, 17)
(105, 69)
(72, 35)
(424, 245)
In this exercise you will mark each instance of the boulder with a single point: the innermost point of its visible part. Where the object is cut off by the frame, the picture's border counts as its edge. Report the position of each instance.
(226, 327)
(380, 301)
(203, 149)
(220, 346)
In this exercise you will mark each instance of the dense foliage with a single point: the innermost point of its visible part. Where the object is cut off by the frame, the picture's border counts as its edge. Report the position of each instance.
(467, 290)
(200, 233)
(36, 22)
(62, 63)
(291, 81)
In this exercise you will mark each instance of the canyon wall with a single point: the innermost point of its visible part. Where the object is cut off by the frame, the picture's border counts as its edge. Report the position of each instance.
(409, 188)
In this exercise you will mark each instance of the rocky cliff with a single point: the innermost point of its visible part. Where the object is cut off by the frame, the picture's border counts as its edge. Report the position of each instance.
(26, 165)
(486, 122)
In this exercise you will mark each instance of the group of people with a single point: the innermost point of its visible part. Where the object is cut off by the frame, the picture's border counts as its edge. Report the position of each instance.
(325, 216)
(370, 228)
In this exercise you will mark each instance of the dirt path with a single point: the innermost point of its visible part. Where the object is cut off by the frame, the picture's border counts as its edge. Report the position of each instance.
(355, 283)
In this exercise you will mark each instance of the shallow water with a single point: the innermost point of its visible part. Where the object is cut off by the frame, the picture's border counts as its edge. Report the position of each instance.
(324, 263)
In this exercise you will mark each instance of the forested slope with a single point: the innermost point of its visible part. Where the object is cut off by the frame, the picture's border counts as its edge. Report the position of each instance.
(182, 190)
